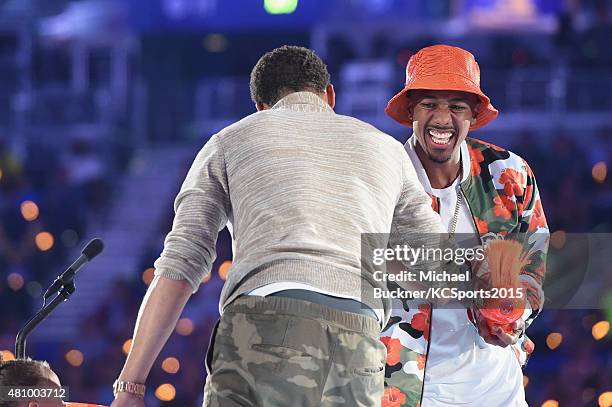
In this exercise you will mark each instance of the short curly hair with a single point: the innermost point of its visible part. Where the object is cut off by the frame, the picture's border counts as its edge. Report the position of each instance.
(287, 69)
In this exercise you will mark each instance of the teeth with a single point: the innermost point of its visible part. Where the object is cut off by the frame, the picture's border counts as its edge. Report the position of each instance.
(440, 137)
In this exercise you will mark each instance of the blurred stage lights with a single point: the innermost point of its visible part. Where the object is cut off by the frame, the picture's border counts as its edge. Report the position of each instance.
(171, 365)
(605, 399)
(588, 395)
(600, 172)
(44, 241)
(525, 381)
(165, 392)
(550, 403)
(184, 327)
(558, 239)
(15, 281)
(224, 269)
(280, 6)
(147, 275)
(127, 346)
(75, 357)
(69, 238)
(215, 43)
(34, 289)
(553, 340)
(600, 330)
(29, 210)
(7, 355)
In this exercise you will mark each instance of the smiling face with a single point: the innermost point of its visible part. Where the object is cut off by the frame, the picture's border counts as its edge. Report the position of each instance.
(444, 118)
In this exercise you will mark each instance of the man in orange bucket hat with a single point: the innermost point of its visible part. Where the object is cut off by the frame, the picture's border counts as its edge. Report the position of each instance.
(441, 356)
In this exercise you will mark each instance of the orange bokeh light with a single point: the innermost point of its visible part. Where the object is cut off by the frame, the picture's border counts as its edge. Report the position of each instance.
(553, 340)
(75, 357)
(184, 327)
(171, 365)
(165, 392)
(44, 241)
(29, 210)
(224, 269)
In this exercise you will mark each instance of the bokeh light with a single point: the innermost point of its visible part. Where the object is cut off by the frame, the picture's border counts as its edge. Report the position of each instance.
(15, 281)
(553, 340)
(215, 43)
(605, 399)
(34, 289)
(127, 345)
(75, 357)
(550, 403)
(165, 392)
(7, 355)
(147, 275)
(44, 241)
(600, 330)
(525, 381)
(29, 210)
(600, 172)
(69, 238)
(558, 239)
(184, 327)
(280, 6)
(171, 365)
(224, 269)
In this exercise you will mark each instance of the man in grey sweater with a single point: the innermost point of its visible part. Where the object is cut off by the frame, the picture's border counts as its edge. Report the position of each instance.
(297, 186)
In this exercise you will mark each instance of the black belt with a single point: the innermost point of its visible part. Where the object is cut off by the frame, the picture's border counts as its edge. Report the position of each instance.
(342, 304)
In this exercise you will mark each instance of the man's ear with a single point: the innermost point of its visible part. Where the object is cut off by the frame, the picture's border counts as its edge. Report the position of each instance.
(331, 95)
(261, 106)
(475, 111)
(33, 404)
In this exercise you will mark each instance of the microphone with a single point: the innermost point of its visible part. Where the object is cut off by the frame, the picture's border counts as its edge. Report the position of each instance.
(64, 286)
(91, 250)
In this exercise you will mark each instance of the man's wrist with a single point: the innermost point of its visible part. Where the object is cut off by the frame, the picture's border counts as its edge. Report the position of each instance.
(132, 388)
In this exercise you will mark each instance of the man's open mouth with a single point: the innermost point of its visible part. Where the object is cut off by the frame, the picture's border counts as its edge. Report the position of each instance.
(440, 137)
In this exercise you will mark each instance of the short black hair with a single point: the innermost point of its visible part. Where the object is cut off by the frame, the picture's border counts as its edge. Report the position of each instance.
(285, 70)
(24, 373)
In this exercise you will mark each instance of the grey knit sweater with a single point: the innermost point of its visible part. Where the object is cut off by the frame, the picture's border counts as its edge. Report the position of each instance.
(297, 185)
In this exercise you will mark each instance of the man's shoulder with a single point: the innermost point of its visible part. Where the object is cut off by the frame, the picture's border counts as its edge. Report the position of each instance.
(370, 131)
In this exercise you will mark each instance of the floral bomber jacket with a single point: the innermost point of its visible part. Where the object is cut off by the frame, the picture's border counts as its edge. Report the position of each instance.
(503, 198)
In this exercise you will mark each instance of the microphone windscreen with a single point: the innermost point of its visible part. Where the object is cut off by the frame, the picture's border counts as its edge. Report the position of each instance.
(93, 248)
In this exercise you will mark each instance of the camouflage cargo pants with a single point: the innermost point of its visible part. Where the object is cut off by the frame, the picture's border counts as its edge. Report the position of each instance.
(277, 351)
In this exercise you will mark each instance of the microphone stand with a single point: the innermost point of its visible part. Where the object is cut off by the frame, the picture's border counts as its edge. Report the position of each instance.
(63, 294)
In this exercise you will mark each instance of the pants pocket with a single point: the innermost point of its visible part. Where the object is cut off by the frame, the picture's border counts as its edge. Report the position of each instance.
(211, 345)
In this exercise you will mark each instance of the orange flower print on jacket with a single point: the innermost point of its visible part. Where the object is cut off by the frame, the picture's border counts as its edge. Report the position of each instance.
(481, 225)
(434, 203)
(393, 397)
(420, 320)
(503, 206)
(421, 362)
(476, 158)
(394, 347)
(537, 216)
(512, 181)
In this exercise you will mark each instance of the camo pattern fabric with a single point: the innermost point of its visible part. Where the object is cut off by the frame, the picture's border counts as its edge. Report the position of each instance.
(276, 351)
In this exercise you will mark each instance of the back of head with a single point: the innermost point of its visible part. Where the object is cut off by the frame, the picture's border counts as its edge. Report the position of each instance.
(26, 373)
(286, 70)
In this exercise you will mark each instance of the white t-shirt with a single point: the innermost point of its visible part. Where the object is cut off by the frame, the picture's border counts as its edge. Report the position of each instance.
(462, 369)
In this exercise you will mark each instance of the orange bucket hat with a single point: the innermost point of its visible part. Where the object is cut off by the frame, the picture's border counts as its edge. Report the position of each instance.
(441, 67)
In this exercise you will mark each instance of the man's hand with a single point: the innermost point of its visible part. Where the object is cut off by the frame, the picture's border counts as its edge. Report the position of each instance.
(500, 337)
(124, 399)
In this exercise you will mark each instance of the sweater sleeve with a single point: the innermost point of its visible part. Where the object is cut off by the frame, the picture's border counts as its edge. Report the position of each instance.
(201, 210)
